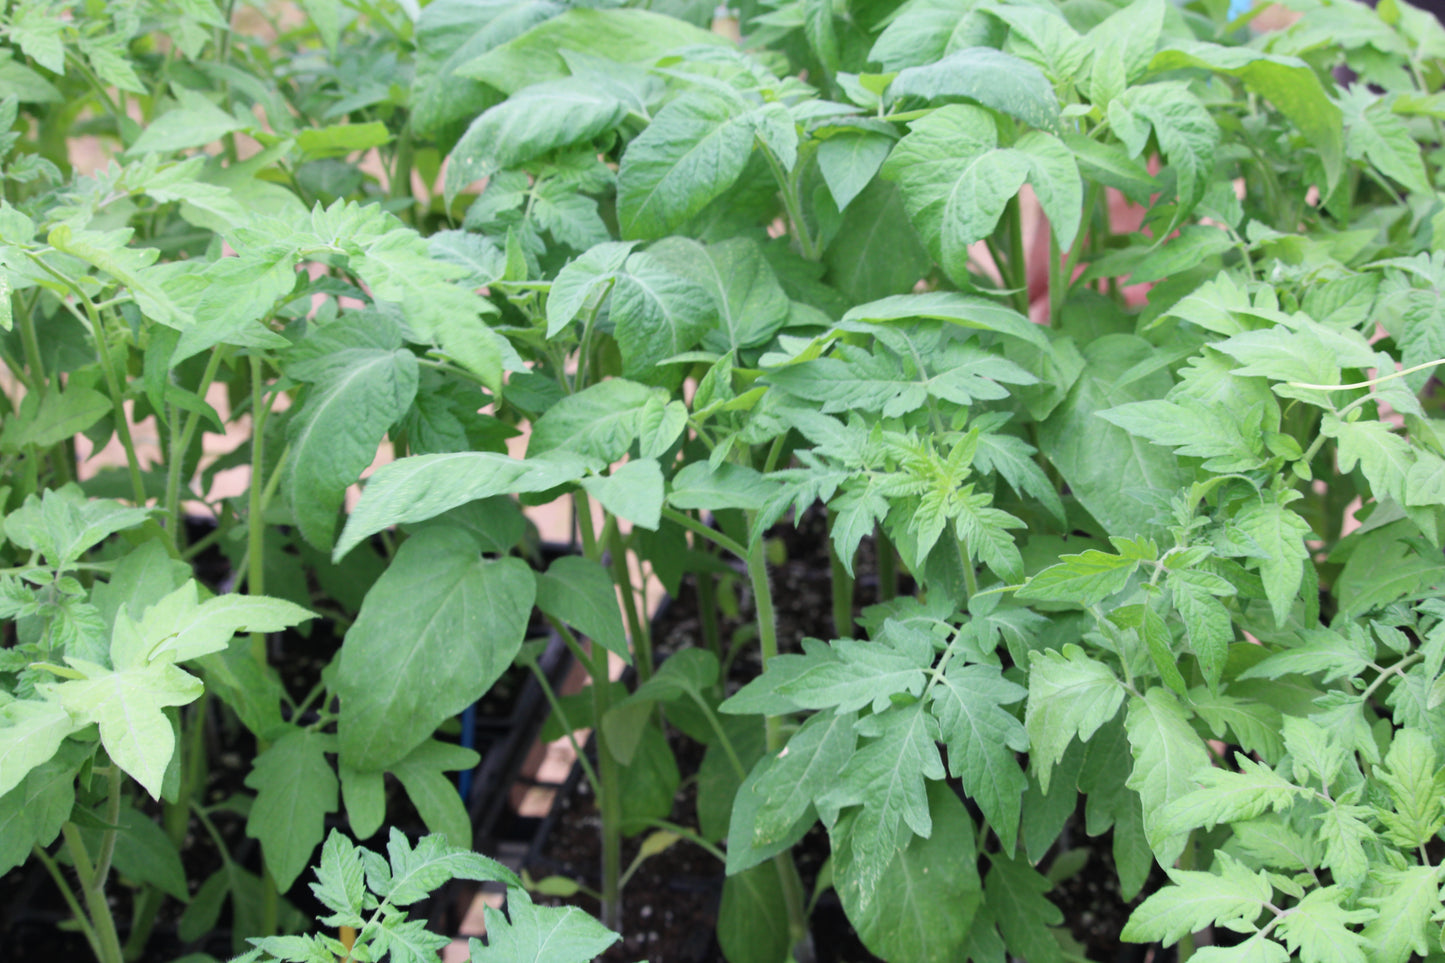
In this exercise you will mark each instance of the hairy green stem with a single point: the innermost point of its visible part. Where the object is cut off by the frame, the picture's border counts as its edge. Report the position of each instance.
(107, 940)
(255, 508)
(81, 919)
(788, 186)
(180, 445)
(693, 525)
(636, 627)
(609, 803)
(1013, 217)
(561, 714)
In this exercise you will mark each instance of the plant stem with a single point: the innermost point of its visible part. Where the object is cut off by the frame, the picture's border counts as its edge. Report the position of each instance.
(767, 628)
(1058, 282)
(557, 709)
(636, 628)
(81, 919)
(1013, 216)
(255, 513)
(609, 804)
(842, 584)
(693, 525)
(93, 889)
(179, 446)
(788, 187)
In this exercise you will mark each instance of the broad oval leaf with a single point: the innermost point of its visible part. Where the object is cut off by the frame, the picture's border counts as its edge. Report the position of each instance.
(436, 630)
(694, 149)
(990, 77)
(530, 123)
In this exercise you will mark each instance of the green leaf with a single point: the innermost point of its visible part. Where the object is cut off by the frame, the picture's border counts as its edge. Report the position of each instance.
(876, 252)
(413, 874)
(964, 310)
(55, 416)
(1123, 481)
(1069, 694)
(694, 149)
(1206, 620)
(533, 121)
(860, 674)
(633, 492)
(1228, 439)
(849, 160)
(1087, 578)
(752, 919)
(1121, 46)
(33, 812)
(402, 671)
(700, 485)
(1288, 83)
(955, 181)
(751, 303)
(991, 77)
(657, 314)
(888, 778)
(1054, 174)
(1168, 756)
(601, 421)
(1015, 894)
(133, 267)
(1186, 132)
(341, 882)
(30, 734)
(424, 486)
(626, 36)
(1227, 797)
(178, 627)
(339, 140)
(1280, 534)
(1415, 784)
(541, 934)
(982, 738)
(128, 707)
(583, 282)
(62, 524)
(144, 853)
(1318, 928)
(437, 802)
(1233, 898)
(362, 391)
(295, 789)
(1405, 901)
(1383, 456)
(784, 791)
(1344, 833)
(194, 123)
(926, 899)
(580, 592)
